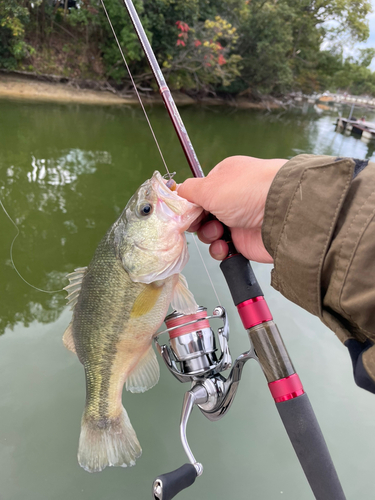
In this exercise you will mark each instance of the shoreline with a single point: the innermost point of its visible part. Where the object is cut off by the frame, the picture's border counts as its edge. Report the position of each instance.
(20, 86)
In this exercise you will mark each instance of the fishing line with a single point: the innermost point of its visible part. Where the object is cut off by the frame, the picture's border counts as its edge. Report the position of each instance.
(207, 271)
(152, 132)
(11, 256)
(135, 88)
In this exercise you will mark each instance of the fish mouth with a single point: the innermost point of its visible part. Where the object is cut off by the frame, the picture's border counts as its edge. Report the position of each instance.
(160, 186)
(179, 206)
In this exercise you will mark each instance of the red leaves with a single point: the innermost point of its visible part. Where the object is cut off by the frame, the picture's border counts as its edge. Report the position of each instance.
(184, 27)
(221, 60)
(183, 36)
(209, 59)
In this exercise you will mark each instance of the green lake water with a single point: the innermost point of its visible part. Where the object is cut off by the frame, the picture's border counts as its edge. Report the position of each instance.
(66, 172)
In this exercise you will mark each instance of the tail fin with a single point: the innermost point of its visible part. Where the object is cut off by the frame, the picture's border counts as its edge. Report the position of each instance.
(107, 443)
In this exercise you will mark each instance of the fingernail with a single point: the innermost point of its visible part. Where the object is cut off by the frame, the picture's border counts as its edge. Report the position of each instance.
(210, 232)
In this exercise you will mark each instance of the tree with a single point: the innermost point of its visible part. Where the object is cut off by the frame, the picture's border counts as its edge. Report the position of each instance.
(127, 37)
(280, 42)
(204, 56)
(266, 40)
(265, 46)
(13, 47)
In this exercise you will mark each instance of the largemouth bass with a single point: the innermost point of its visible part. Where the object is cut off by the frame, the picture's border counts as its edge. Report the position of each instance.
(119, 301)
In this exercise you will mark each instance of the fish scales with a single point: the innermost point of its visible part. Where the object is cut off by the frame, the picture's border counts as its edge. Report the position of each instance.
(119, 301)
(106, 287)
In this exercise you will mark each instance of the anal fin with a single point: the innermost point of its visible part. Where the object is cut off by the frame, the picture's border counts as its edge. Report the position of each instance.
(145, 375)
(68, 338)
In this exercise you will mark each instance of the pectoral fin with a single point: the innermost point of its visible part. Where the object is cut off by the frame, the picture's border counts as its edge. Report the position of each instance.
(68, 340)
(145, 301)
(145, 375)
(183, 300)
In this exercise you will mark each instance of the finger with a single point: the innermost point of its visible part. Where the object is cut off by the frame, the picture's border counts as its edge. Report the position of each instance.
(198, 222)
(219, 250)
(193, 190)
(210, 231)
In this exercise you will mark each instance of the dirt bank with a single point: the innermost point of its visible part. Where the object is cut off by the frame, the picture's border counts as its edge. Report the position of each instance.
(15, 86)
(20, 86)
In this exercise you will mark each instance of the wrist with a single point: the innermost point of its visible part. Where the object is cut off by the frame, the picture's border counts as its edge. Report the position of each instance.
(268, 172)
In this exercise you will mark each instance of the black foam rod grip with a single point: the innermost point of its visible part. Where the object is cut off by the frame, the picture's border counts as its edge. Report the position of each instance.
(168, 485)
(308, 442)
(241, 279)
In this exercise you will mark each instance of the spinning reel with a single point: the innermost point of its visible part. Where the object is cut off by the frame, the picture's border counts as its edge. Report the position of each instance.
(192, 355)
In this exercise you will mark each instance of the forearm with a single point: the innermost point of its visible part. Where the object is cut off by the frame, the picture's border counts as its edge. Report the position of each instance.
(319, 228)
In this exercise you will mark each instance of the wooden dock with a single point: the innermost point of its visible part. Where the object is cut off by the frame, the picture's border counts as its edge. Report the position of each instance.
(361, 128)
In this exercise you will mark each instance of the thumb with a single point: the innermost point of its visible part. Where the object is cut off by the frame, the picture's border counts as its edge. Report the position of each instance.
(194, 190)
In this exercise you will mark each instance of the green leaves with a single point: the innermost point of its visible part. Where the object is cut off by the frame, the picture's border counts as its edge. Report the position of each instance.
(263, 46)
(280, 42)
(13, 47)
(127, 37)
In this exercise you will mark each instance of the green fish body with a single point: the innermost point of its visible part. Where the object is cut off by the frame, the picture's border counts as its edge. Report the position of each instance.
(119, 301)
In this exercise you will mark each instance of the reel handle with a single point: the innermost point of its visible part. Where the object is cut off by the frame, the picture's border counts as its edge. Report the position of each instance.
(167, 486)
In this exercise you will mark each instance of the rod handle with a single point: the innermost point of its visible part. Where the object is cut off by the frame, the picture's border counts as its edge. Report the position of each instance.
(311, 449)
(240, 278)
(166, 486)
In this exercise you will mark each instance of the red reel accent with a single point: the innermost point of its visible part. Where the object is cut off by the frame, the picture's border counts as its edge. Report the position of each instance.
(188, 328)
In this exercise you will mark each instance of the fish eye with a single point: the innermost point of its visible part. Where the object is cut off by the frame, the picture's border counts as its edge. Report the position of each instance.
(145, 209)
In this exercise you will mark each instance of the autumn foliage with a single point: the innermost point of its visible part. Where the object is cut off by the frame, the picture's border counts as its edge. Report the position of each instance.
(206, 55)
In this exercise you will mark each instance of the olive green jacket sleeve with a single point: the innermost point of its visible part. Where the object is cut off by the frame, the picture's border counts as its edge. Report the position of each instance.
(319, 227)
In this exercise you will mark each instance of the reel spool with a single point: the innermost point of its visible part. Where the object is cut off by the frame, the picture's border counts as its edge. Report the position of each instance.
(192, 342)
(192, 349)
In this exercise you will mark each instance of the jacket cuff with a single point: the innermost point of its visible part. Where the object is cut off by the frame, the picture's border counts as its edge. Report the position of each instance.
(301, 212)
(363, 354)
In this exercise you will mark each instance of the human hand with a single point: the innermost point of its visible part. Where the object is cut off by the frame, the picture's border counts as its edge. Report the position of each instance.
(235, 191)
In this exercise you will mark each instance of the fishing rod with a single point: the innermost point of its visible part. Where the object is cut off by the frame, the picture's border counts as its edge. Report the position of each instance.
(191, 354)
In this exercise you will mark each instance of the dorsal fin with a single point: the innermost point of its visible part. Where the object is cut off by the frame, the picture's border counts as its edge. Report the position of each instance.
(75, 283)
